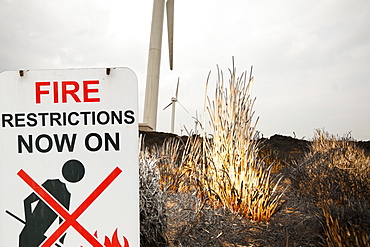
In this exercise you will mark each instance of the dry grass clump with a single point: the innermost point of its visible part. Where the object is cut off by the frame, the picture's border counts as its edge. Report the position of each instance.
(346, 226)
(342, 153)
(221, 170)
(168, 204)
(153, 218)
(271, 156)
(169, 164)
(335, 171)
(335, 175)
(225, 166)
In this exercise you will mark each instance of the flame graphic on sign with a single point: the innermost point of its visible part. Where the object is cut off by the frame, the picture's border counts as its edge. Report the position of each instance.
(114, 241)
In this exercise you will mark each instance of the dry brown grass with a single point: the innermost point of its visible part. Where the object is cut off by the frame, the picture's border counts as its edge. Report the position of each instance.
(153, 217)
(335, 171)
(169, 164)
(335, 176)
(341, 152)
(225, 165)
(346, 227)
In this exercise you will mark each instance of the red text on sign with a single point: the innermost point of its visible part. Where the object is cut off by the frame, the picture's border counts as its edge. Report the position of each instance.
(67, 90)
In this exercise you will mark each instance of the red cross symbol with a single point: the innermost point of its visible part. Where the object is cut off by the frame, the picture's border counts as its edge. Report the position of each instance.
(70, 219)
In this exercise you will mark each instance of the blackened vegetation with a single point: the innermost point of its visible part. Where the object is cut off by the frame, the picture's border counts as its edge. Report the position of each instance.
(327, 202)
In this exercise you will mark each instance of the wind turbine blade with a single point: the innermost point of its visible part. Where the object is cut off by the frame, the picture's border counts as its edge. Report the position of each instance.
(182, 106)
(177, 88)
(167, 106)
(170, 20)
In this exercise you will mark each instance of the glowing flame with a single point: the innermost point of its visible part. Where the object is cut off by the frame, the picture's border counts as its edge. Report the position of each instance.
(114, 242)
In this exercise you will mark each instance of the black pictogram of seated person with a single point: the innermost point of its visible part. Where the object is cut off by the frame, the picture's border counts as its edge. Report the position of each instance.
(39, 219)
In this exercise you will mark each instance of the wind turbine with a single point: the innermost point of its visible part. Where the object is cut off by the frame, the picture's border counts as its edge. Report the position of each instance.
(181, 129)
(174, 100)
(196, 122)
(154, 59)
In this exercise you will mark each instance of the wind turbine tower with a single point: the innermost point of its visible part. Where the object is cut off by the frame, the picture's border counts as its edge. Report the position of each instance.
(154, 59)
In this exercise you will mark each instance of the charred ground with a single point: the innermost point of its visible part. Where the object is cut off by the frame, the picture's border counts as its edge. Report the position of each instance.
(298, 221)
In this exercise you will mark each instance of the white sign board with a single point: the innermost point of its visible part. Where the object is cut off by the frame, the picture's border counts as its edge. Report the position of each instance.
(69, 158)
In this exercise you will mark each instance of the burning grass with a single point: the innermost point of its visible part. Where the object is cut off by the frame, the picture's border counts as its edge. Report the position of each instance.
(218, 188)
(226, 167)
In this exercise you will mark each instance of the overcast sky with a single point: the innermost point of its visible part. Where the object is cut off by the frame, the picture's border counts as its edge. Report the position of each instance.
(311, 59)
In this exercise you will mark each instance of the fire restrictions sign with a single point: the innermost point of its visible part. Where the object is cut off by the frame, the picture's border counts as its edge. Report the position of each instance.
(69, 171)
